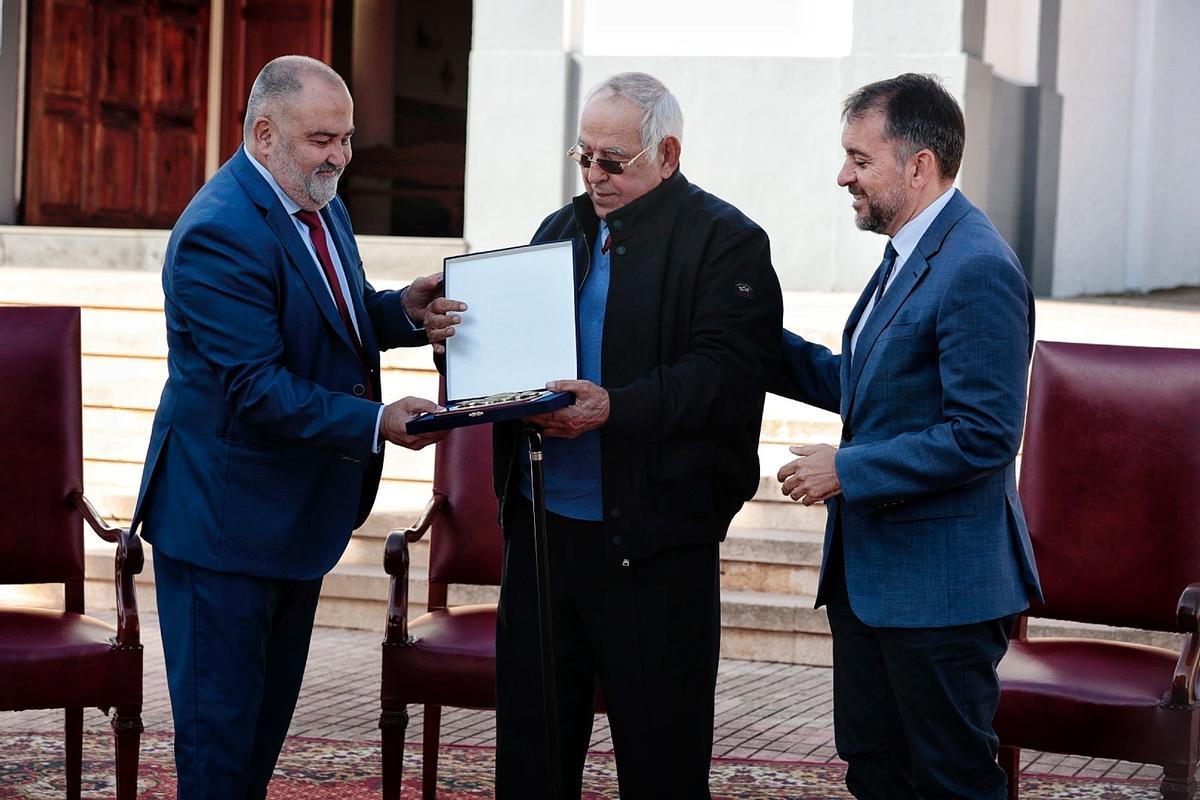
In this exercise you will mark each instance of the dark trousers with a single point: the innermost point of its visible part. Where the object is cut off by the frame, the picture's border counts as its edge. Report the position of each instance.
(235, 649)
(913, 707)
(647, 634)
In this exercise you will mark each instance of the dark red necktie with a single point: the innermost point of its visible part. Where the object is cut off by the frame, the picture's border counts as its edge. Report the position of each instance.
(316, 232)
(607, 243)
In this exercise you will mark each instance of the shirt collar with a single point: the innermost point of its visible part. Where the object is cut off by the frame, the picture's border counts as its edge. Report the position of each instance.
(908, 237)
(289, 205)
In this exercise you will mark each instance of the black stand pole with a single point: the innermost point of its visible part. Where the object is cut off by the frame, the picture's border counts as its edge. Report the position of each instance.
(541, 555)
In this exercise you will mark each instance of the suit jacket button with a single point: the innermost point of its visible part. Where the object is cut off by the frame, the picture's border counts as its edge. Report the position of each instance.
(615, 513)
(359, 390)
(620, 249)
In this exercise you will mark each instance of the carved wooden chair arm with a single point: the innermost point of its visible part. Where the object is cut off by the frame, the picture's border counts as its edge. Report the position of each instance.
(1183, 684)
(129, 562)
(396, 562)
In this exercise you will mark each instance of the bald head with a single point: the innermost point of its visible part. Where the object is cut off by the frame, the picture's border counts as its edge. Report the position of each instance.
(279, 84)
(299, 121)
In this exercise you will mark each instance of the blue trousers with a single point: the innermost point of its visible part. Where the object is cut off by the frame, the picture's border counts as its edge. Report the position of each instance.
(235, 648)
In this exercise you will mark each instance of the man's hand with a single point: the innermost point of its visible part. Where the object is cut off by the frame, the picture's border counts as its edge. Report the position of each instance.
(589, 412)
(812, 477)
(396, 416)
(425, 305)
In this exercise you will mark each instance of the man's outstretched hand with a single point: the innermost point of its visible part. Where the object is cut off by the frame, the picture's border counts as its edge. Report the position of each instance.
(425, 305)
(396, 416)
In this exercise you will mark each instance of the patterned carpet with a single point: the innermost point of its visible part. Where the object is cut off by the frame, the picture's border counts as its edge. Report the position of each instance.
(314, 769)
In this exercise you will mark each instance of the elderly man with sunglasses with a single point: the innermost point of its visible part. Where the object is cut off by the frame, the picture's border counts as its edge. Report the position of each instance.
(680, 322)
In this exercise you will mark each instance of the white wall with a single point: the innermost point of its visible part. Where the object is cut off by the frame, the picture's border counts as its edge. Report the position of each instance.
(1079, 136)
(1126, 216)
(763, 132)
(1011, 39)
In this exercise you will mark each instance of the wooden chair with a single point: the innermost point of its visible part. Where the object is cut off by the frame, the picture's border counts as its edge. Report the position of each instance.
(59, 659)
(446, 657)
(1110, 483)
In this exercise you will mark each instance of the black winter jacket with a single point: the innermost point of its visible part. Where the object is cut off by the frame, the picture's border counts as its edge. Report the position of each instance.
(691, 335)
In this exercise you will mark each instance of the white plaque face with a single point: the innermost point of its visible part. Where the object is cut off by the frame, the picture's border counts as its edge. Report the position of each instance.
(518, 331)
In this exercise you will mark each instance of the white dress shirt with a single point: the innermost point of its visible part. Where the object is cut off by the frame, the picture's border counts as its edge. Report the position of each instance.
(904, 242)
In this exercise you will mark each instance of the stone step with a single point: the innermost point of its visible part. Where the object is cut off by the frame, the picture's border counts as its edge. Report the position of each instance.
(771, 560)
(757, 625)
(30, 249)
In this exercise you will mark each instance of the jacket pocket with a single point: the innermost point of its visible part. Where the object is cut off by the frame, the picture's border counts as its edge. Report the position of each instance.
(900, 330)
(943, 505)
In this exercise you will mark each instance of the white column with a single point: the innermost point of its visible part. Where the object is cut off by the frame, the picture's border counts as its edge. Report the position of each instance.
(521, 110)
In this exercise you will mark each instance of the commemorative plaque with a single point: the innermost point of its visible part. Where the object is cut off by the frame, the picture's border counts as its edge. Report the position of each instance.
(517, 334)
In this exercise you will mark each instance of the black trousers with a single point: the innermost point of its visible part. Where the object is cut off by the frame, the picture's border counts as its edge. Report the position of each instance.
(913, 707)
(647, 633)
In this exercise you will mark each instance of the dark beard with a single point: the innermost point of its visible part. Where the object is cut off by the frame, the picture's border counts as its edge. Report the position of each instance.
(881, 211)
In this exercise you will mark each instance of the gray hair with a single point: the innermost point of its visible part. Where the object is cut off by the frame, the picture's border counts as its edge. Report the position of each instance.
(279, 80)
(661, 115)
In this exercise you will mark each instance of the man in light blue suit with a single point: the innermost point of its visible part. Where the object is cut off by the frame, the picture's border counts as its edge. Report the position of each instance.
(927, 557)
(267, 445)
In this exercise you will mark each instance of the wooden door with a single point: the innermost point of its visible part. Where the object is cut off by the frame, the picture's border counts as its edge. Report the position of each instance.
(118, 93)
(257, 31)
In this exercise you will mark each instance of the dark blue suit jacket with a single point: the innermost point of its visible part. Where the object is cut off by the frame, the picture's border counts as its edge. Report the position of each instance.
(260, 458)
(932, 406)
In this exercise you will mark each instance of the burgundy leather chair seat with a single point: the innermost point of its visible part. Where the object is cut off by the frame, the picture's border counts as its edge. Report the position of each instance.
(43, 652)
(1112, 712)
(452, 660)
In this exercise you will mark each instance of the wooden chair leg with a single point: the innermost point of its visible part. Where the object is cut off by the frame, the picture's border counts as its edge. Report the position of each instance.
(127, 727)
(1179, 782)
(1010, 762)
(393, 725)
(429, 752)
(73, 758)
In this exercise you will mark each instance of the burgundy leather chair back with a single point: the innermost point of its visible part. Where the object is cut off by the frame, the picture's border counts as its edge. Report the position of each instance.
(466, 544)
(41, 451)
(1110, 481)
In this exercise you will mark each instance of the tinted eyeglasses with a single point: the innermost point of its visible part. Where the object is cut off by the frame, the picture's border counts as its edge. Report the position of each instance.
(609, 165)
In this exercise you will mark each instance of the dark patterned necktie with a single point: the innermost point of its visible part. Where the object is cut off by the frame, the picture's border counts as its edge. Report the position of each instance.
(885, 270)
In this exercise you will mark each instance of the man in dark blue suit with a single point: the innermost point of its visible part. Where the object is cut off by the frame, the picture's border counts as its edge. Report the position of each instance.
(267, 445)
(927, 557)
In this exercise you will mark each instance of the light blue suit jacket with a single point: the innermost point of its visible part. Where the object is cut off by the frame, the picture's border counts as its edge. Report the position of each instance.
(932, 405)
(261, 459)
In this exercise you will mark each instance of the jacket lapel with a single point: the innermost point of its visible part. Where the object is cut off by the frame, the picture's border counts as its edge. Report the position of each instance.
(906, 281)
(285, 230)
(306, 266)
(346, 252)
(910, 274)
(847, 335)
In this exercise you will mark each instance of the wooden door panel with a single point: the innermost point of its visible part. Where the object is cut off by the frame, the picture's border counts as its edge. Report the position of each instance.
(69, 26)
(65, 136)
(181, 68)
(120, 40)
(177, 162)
(116, 171)
(257, 31)
(115, 86)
